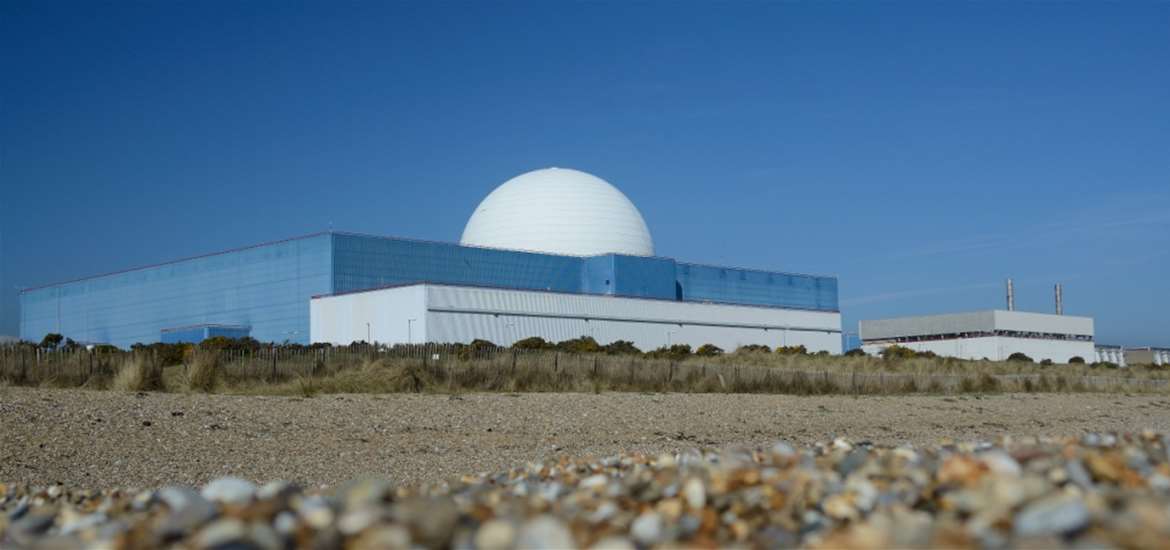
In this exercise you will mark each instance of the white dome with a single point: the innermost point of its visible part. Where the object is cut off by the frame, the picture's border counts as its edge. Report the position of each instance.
(559, 211)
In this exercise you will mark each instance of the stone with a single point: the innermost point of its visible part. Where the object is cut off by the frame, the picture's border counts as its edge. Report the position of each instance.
(647, 529)
(221, 534)
(495, 535)
(544, 532)
(1052, 516)
(695, 493)
(230, 490)
(613, 543)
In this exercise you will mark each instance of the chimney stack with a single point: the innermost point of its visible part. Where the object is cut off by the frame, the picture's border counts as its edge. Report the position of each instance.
(1059, 299)
(1011, 296)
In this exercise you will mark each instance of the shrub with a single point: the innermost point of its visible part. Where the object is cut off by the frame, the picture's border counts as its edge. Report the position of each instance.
(709, 350)
(51, 341)
(533, 342)
(792, 350)
(1046, 363)
(677, 351)
(1020, 357)
(855, 352)
(1076, 360)
(622, 347)
(584, 344)
(1104, 364)
(925, 354)
(890, 353)
(753, 348)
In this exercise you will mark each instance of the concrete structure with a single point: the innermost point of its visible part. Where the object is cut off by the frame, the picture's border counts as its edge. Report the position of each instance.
(1147, 356)
(445, 313)
(985, 334)
(1110, 354)
(264, 291)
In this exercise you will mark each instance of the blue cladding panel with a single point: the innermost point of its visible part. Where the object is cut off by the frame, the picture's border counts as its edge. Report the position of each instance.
(703, 283)
(649, 277)
(363, 262)
(198, 334)
(597, 275)
(266, 287)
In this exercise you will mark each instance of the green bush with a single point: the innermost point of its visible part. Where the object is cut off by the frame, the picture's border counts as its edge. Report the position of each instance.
(753, 348)
(1046, 363)
(51, 341)
(584, 344)
(792, 350)
(709, 350)
(855, 352)
(1076, 360)
(622, 347)
(677, 351)
(898, 352)
(1020, 357)
(533, 342)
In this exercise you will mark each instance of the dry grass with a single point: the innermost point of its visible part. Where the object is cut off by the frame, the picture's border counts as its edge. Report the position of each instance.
(203, 372)
(136, 375)
(435, 371)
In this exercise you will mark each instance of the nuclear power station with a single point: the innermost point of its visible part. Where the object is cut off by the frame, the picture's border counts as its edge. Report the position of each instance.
(555, 253)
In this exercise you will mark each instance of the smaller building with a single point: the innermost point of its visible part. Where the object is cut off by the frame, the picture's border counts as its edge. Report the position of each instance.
(1110, 354)
(1147, 356)
(994, 335)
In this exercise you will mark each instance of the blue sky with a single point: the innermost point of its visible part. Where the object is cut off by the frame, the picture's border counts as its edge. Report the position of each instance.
(921, 152)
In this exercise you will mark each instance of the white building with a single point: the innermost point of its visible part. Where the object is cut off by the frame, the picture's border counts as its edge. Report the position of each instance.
(992, 334)
(427, 312)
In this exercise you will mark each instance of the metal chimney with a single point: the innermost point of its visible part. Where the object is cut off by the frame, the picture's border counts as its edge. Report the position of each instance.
(1059, 299)
(1011, 296)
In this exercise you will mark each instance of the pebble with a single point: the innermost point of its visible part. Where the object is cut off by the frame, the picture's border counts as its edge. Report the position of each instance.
(544, 532)
(1052, 516)
(1098, 490)
(230, 490)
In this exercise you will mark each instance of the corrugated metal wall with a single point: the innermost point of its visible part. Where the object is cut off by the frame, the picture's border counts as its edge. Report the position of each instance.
(265, 287)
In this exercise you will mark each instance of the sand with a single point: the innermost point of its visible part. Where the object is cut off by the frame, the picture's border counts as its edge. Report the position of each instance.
(101, 439)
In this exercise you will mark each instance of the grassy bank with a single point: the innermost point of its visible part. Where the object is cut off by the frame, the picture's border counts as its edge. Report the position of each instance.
(454, 369)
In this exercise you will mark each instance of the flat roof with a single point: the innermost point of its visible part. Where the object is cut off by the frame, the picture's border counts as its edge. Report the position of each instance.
(975, 322)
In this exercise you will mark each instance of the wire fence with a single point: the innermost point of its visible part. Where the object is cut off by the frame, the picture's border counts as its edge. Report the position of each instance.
(450, 367)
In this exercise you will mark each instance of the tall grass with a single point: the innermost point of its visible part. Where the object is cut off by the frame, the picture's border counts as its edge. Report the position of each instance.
(137, 375)
(436, 369)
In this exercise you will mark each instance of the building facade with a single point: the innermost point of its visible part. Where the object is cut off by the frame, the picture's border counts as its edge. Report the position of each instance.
(264, 291)
(993, 335)
(418, 313)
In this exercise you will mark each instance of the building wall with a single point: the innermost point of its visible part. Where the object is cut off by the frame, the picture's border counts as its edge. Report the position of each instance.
(265, 287)
(998, 348)
(705, 283)
(461, 314)
(975, 322)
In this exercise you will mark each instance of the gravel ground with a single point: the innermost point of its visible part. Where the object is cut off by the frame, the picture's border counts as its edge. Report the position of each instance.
(1092, 491)
(98, 440)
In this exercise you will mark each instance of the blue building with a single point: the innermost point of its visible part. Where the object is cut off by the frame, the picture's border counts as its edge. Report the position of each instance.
(263, 291)
(555, 230)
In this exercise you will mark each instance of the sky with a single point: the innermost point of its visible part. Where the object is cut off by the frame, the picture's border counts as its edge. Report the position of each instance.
(921, 152)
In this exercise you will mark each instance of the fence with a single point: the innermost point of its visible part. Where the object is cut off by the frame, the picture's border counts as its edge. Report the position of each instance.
(439, 367)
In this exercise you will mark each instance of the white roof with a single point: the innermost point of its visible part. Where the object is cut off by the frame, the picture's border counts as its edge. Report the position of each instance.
(559, 211)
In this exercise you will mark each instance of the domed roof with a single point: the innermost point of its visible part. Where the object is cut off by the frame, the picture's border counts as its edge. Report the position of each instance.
(559, 211)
